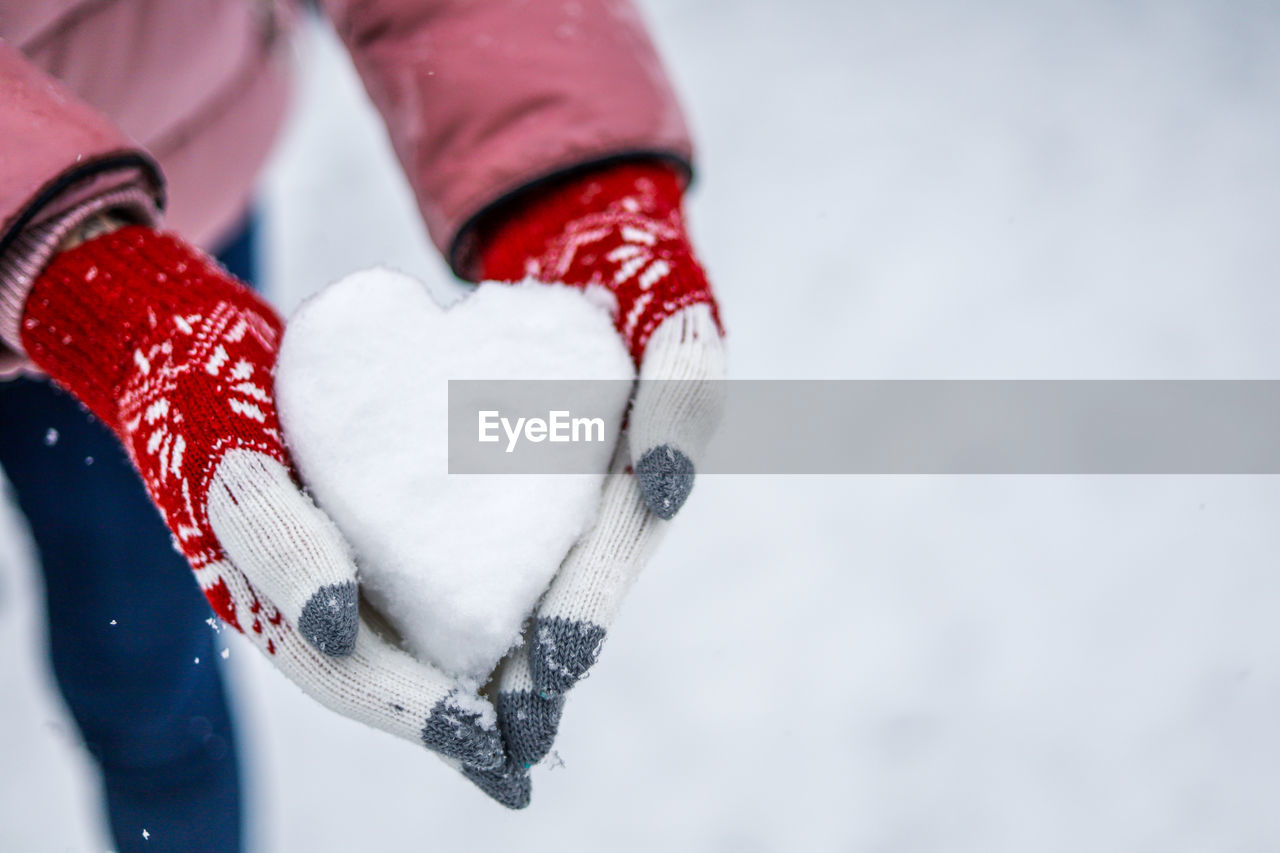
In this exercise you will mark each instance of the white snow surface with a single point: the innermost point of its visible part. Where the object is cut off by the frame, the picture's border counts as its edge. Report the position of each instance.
(455, 562)
(911, 189)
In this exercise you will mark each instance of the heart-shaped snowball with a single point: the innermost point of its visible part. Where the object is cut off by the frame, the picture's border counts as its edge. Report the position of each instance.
(455, 563)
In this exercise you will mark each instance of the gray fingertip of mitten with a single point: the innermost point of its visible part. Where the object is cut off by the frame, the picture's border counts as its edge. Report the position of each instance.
(560, 652)
(529, 723)
(456, 732)
(666, 478)
(330, 619)
(509, 785)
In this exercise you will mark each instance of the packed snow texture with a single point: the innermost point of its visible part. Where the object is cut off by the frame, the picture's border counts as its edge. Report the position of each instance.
(454, 562)
(913, 189)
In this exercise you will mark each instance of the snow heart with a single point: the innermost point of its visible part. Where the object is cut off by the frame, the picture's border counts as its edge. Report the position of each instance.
(455, 563)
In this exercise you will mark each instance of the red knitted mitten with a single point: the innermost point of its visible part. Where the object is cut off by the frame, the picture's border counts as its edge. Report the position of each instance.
(176, 357)
(619, 227)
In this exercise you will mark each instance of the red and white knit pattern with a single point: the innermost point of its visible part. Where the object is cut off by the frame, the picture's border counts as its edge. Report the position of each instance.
(620, 228)
(220, 358)
(183, 377)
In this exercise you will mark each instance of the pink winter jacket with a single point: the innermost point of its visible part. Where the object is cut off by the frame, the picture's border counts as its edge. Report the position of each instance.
(144, 106)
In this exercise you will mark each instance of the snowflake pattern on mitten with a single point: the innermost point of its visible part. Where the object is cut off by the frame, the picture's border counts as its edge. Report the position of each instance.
(221, 359)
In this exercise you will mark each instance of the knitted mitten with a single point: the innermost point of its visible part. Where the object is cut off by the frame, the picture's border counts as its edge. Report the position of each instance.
(621, 228)
(176, 358)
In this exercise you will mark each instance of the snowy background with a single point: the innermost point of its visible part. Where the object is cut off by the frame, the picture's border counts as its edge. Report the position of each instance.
(906, 189)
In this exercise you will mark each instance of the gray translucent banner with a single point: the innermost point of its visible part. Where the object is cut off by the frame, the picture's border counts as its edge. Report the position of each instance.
(892, 427)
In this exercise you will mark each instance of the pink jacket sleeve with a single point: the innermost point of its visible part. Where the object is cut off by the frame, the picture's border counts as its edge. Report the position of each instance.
(484, 97)
(60, 161)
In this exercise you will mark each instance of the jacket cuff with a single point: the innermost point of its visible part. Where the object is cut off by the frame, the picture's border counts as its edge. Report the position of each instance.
(30, 250)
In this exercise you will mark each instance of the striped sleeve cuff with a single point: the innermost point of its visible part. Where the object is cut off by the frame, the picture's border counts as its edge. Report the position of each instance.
(31, 250)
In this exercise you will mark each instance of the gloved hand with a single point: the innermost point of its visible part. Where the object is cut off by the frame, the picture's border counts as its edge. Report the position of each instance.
(176, 358)
(620, 227)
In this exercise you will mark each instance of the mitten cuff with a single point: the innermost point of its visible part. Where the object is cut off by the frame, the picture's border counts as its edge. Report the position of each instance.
(514, 241)
(620, 228)
(32, 248)
(92, 304)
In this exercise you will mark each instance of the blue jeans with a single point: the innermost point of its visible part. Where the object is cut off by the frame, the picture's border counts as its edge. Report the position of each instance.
(126, 622)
